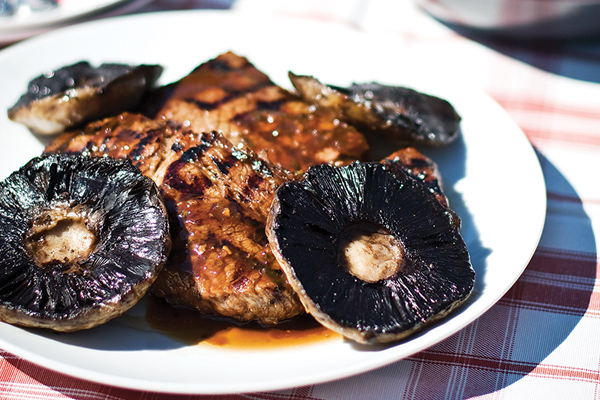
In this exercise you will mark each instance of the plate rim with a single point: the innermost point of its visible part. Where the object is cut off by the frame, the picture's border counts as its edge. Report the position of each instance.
(13, 51)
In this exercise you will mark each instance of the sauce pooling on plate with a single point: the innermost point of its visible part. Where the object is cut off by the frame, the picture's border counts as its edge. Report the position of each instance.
(189, 327)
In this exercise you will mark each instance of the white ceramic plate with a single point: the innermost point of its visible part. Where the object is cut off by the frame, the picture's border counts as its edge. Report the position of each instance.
(17, 27)
(502, 203)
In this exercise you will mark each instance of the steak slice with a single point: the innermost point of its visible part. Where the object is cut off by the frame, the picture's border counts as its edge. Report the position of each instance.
(217, 197)
(229, 95)
(222, 263)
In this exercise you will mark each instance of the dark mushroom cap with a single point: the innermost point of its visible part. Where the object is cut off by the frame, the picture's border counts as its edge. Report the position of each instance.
(421, 117)
(121, 208)
(77, 93)
(401, 114)
(310, 220)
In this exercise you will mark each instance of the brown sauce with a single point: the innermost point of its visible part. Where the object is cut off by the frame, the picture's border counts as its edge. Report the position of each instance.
(189, 327)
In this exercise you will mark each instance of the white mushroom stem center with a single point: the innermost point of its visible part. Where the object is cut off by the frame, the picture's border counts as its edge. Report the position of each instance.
(371, 254)
(61, 235)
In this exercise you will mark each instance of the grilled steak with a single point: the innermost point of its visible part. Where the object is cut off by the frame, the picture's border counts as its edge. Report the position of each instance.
(228, 94)
(222, 263)
(217, 197)
(144, 141)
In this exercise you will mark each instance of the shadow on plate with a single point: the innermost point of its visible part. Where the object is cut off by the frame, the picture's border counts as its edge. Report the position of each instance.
(535, 314)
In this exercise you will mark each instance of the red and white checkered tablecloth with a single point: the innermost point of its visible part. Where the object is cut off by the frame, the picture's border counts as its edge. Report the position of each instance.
(541, 340)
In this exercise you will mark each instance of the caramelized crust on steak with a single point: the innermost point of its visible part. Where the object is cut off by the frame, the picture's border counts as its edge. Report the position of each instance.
(144, 141)
(229, 95)
(218, 197)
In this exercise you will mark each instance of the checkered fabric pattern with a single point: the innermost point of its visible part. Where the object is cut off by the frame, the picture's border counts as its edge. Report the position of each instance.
(540, 341)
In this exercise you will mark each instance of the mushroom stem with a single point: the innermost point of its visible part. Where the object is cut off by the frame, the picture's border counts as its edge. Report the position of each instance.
(370, 252)
(61, 235)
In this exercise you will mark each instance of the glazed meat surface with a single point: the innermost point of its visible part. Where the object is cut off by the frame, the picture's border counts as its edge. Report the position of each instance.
(217, 197)
(229, 95)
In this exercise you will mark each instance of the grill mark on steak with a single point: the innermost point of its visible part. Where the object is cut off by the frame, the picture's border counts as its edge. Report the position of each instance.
(194, 185)
(145, 142)
(204, 105)
(269, 105)
(250, 180)
(231, 96)
(225, 165)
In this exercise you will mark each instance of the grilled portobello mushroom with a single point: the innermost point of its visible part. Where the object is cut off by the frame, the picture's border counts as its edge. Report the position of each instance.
(402, 114)
(75, 94)
(83, 238)
(372, 253)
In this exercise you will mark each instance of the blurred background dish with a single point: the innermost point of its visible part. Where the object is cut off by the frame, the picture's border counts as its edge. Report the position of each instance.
(12, 8)
(533, 19)
(22, 25)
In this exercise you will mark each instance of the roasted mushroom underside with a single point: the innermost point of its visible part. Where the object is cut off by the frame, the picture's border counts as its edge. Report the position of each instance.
(373, 255)
(82, 240)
